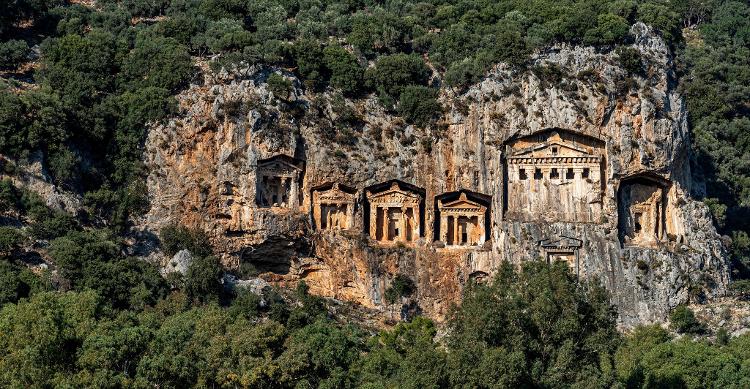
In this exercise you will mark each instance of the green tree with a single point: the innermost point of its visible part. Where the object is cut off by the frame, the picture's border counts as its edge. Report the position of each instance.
(346, 73)
(419, 105)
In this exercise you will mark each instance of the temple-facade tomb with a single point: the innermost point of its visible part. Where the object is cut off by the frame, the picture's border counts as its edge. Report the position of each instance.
(642, 210)
(395, 212)
(554, 175)
(278, 180)
(463, 218)
(333, 206)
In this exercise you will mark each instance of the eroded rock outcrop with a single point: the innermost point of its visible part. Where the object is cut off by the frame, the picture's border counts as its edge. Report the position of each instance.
(552, 154)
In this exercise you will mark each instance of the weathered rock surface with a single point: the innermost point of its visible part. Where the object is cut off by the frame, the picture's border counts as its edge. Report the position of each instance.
(203, 173)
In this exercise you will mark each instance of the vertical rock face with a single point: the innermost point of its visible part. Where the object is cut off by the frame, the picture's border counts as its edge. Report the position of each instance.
(575, 160)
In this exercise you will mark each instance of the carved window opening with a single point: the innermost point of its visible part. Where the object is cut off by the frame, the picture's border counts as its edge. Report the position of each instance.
(569, 175)
(554, 150)
(586, 172)
(522, 174)
(554, 174)
(538, 174)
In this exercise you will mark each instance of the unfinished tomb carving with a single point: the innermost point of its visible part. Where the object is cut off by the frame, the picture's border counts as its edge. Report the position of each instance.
(642, 210)
(277, 183)
(395, 212)
(333, 206)
(463, 219)
(564, 249)
(554, 175)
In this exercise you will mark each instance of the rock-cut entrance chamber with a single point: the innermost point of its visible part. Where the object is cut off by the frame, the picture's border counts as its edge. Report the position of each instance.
(463, 218)
(333, 206)
(395, 212)
(643, 209)
(554, 176)
(277, 182)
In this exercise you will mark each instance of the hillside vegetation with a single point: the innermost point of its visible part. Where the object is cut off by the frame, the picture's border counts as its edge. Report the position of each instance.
(80, 80)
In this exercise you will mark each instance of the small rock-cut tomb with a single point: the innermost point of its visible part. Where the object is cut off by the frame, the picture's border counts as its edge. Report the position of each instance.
(333, 206)
(564, 249)
(277, 183)
(554, 175)
(394, 213)
(642, 210)
(462, 220)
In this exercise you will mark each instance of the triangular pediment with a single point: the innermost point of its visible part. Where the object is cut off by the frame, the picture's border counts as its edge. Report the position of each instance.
(334, 194)
(279, 165)
(561, 242)
(463, 203)
(394, 195)
(555, 148)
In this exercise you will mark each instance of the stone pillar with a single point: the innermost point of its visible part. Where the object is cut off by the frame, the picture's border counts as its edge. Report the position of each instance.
(417, 231)
(456, 240)
(480, 226)
(349, 215)
(293, 192)
(316, 214)
(404, 225)
(373, 221)
(385, 228)
(444, 228)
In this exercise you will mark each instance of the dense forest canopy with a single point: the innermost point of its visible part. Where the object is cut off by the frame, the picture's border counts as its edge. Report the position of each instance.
(80, 80)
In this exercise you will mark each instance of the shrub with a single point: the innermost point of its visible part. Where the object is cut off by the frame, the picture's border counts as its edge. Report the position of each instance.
(175, 238)
(346, 74)
(393, 73)
(418, 105)
(683, 320)
(279, 86)
(12, 53)
(401, 286)
(203, 279)
(10, 239)
(630, 59)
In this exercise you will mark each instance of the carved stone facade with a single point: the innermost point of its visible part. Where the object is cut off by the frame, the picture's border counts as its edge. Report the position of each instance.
(643, 211)
(554, 176)
(333, 206)
(394, 213)
(462, 221)
(278, 181)
(563, 248)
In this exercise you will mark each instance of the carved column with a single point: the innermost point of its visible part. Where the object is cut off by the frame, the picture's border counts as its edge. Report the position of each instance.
(480, 226)
(404, 224)
(385, 228)
(316, 214)
(373, 221)
(417, 223)
(444, 228)
(349, 215)
(294, 191)
(456, 235)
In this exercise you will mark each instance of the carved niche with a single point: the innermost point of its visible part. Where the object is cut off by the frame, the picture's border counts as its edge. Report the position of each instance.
(642, 210)
(562, 248)
(278, 180)
(463, 217)
(554, 175)
(394, 212)
(333, 206)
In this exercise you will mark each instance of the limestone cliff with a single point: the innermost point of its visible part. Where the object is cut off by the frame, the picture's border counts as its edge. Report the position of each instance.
(632, 221)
